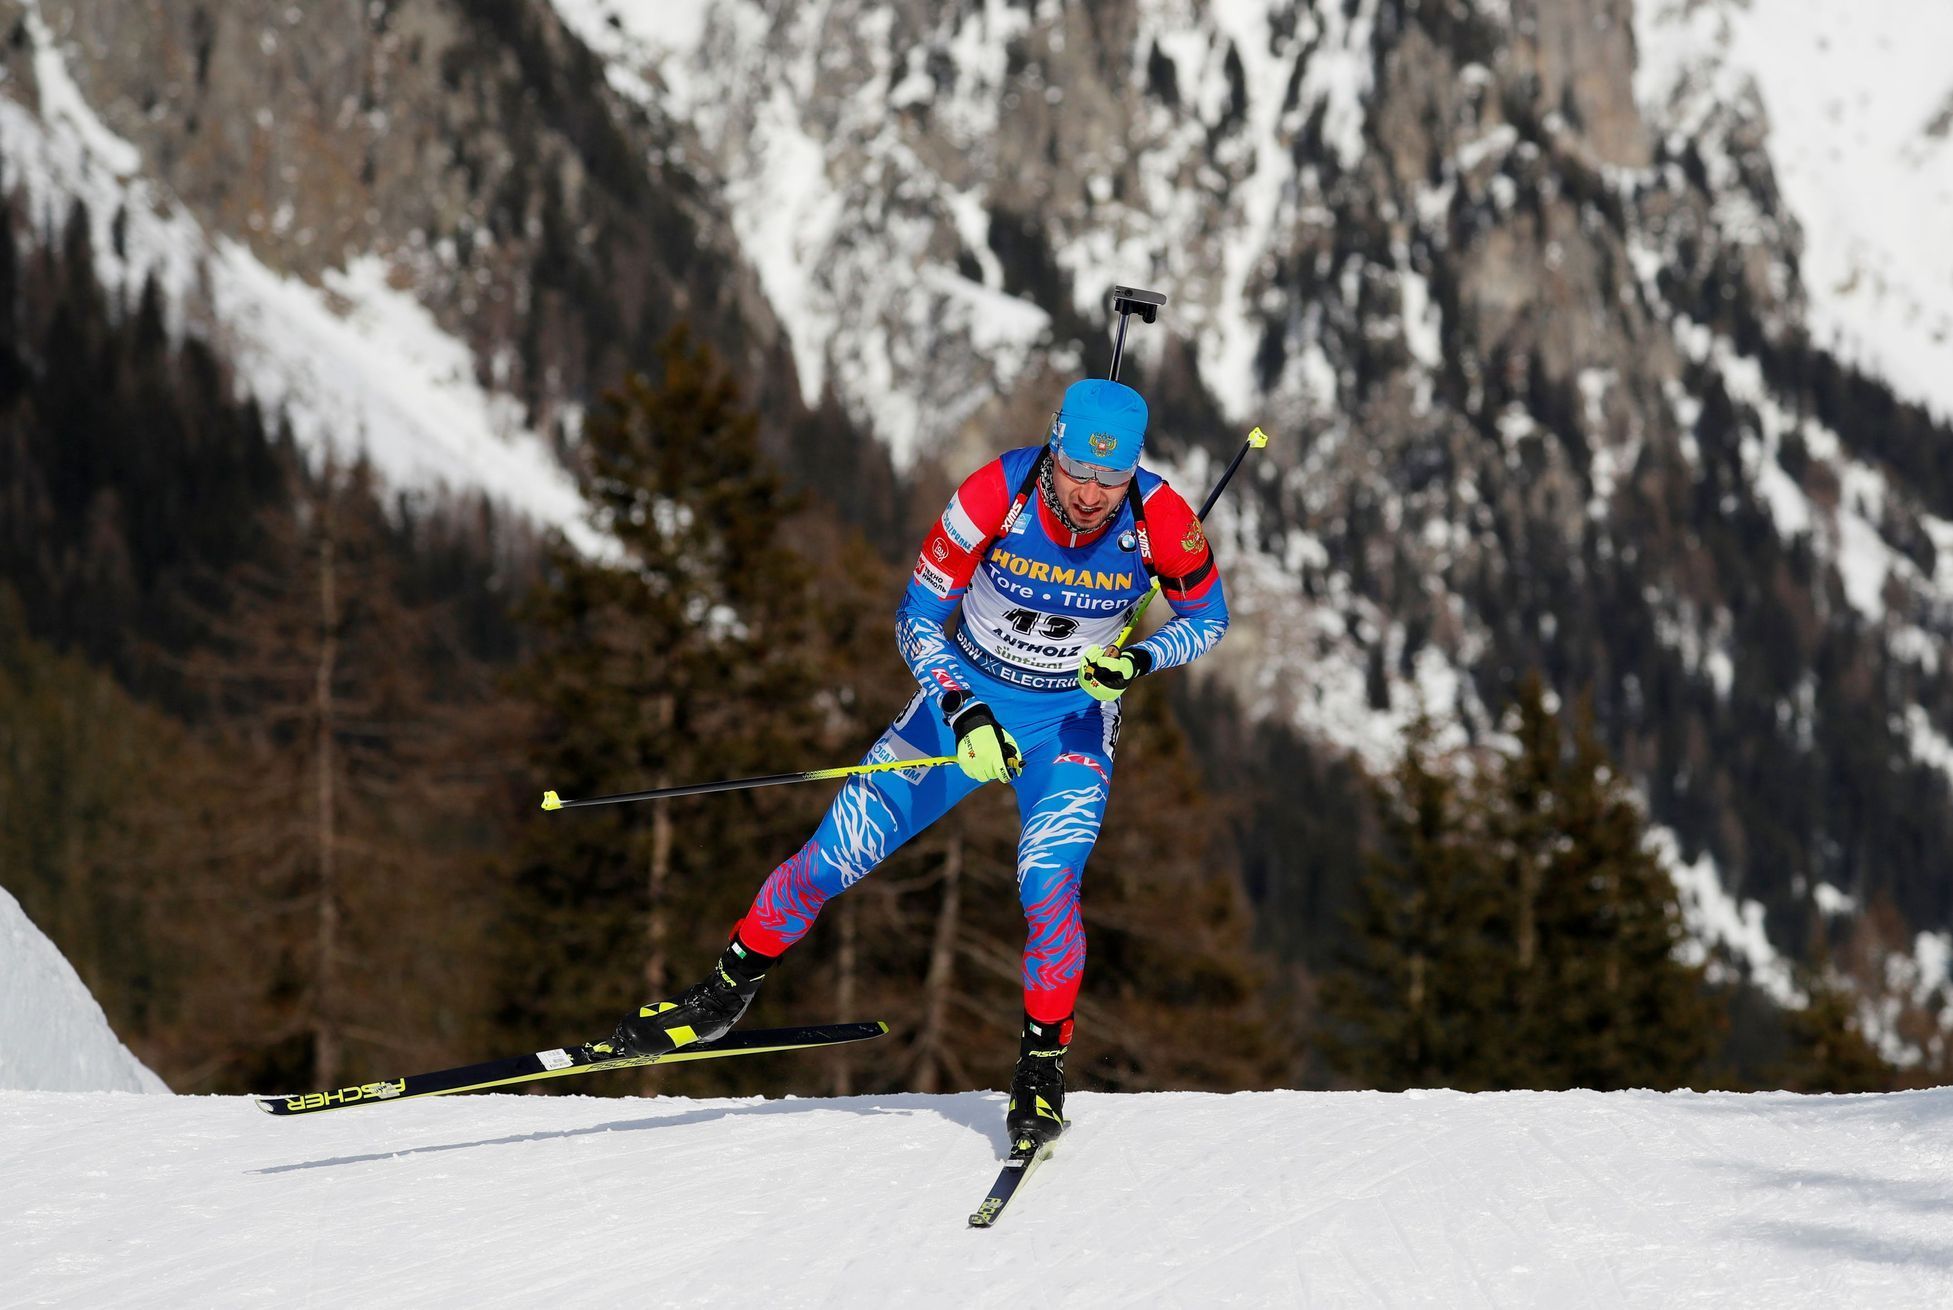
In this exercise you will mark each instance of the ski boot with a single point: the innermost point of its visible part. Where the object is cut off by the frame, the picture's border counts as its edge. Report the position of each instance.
(1037, 1091)
(703, 1012)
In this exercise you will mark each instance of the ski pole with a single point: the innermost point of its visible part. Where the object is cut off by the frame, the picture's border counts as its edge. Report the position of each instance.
(1256, 440)
(551, 801)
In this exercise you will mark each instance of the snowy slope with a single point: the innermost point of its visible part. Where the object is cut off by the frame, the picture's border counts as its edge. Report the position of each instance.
(1853, 106)
(860, 147)
(1859, 104)
(356, 361)
(53, 1036)
(1285, 1198)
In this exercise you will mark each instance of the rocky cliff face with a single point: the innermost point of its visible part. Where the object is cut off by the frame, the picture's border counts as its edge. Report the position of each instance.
(472, 145)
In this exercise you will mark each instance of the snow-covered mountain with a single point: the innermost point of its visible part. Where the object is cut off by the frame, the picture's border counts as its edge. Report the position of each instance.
(1607, 336)
(1526, 290)
(53, 1035)
(1277, 1198)
(1858, 104)
(349, 357)
(874, 158)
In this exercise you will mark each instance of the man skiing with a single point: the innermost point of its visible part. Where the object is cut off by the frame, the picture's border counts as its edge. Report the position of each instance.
(1043, 553)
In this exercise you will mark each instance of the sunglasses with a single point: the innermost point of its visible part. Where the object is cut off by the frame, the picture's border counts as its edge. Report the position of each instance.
(1091, 472)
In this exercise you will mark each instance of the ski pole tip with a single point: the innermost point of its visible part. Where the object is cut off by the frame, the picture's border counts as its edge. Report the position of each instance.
(551, 801)
(1257, 438)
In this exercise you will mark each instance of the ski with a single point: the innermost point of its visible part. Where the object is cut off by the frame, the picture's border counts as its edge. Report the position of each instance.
(563, 1063)
(1026, 1154)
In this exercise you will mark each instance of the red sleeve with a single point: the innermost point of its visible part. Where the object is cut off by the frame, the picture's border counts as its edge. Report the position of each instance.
(1180, 549)
(975, 514)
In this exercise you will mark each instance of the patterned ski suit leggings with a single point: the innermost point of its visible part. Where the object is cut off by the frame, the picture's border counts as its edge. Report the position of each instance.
(1067, 740)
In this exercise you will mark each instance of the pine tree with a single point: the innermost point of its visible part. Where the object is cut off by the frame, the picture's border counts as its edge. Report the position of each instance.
(329, 811)
(1420, 1005)
(132, 484)
(1650, 1021)
(1520, 934)
(1597, 992)
(680, 655)
(1828, 1050)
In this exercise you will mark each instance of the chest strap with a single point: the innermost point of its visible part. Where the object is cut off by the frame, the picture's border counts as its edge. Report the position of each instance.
(1025, 490)
(1138, 503)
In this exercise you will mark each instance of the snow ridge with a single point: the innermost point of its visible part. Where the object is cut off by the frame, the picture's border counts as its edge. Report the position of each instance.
(53, 1035)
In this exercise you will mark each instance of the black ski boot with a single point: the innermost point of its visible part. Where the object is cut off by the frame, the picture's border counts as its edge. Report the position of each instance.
(703, 1012)
(1037, 1091)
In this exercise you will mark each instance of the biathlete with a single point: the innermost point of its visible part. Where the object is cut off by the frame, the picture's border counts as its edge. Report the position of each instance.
(1043, 553)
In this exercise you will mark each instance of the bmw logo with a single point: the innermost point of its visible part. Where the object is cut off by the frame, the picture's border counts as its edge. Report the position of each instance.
(1129, 541)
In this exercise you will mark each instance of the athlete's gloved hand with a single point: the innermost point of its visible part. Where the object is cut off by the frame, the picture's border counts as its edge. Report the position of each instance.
(983, 749)
(1106, 675)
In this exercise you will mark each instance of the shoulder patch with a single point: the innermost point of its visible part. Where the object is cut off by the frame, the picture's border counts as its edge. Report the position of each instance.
(933, 579)
(960, 527)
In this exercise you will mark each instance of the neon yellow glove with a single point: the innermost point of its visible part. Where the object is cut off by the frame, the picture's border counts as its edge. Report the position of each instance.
(1106, 675)
(984, 750)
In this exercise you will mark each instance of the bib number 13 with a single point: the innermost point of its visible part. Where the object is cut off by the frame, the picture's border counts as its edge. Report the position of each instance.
(1052, 627)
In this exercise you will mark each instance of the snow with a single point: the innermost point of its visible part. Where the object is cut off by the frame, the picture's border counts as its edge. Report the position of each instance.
(1929, 745)
(1423, 325)
(361, 364)
(63, 107)
(1913, 979)
(786, 214)
(1177, 1199)
(1339, 72)
(1859, 101)
(1932, 954)
(1831, 902)
(1327, 694)
(1848, 535)
(53, 1036)
(1716, 918)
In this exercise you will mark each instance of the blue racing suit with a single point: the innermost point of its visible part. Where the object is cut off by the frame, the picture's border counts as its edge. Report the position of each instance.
(1030, 595)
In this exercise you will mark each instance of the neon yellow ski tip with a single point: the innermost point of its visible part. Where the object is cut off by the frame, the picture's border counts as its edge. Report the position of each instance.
(1257, 438)
(551, 801)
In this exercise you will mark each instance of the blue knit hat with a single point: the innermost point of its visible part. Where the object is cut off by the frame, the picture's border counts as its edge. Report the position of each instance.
(1101, 423)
